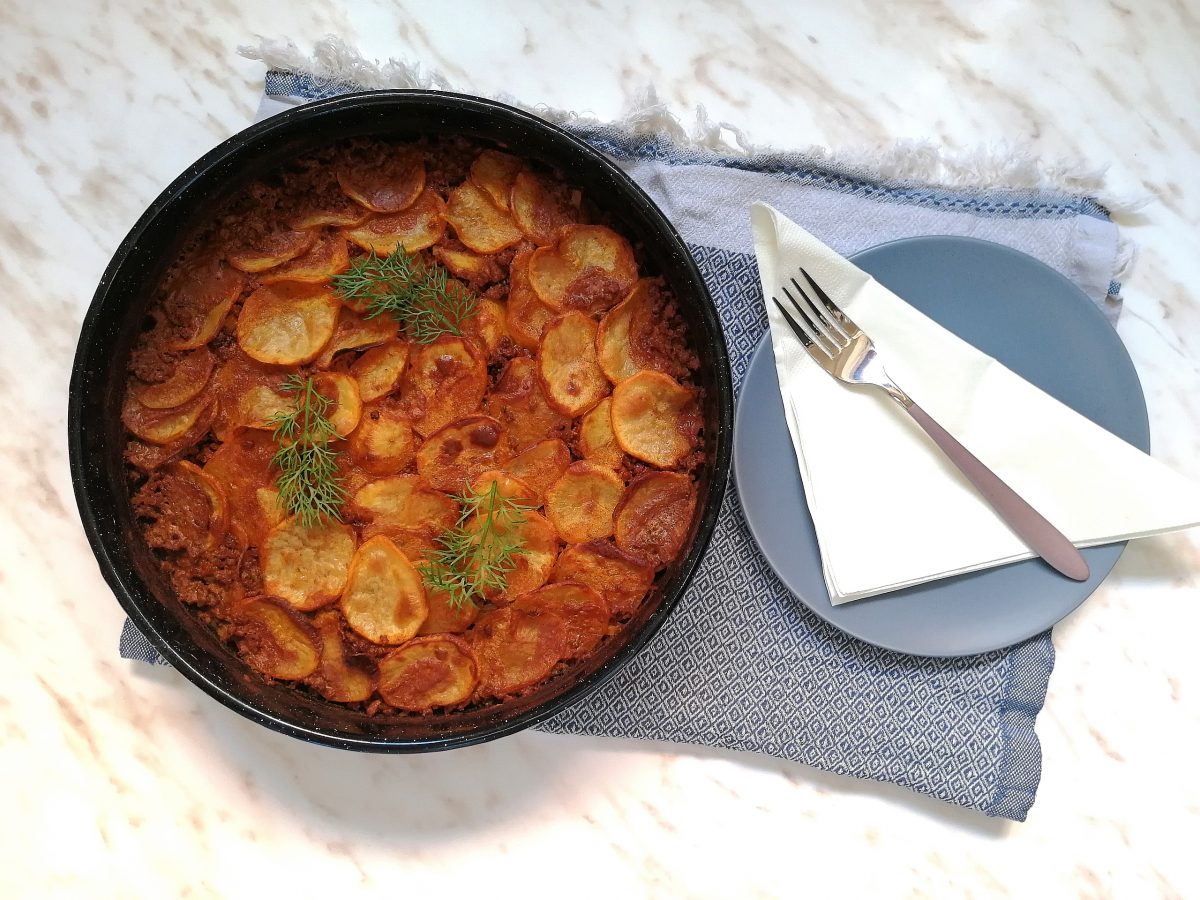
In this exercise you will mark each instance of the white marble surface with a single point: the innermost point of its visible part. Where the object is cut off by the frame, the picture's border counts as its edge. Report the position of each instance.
(123, 781)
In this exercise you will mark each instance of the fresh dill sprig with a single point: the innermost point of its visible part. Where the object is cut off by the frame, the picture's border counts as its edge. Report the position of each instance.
(420, 295)
(478, 554)
(310, 487)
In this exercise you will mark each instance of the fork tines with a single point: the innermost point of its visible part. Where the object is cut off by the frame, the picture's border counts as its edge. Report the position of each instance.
(825, 326)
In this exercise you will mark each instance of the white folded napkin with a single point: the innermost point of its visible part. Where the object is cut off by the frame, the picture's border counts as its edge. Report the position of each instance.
(889, 509)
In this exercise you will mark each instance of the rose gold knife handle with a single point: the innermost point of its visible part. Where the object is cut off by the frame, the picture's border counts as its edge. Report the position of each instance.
(1031, 526)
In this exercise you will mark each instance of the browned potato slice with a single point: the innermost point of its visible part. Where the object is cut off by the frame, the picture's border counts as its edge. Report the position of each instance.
(163, 426)
(307, 567)
(613, 348)
(540, 465)
(653, 518)
(335, 678)
(270, 506)
(345, 404)
(655, 419)
(540, 208)
(328, 208)
(429, 673)
(383, 443)
(421, 225)
(218, 502)
(581, 502)
(231, 384)
(384, 600)
(517, 648)
(479, 223)
(526, 316)
(583, 611)
(487, 326)
(242, 466)
(379, 370)
(444, 618)
(444, 381)
(494, 172)
(328, 257)
(535, 562)
(186, 382)
(415, 543)
(597, 442)
(199, 293)
(208, 325)
(519, 404)
(149, 457)
(355, 331)
(390, 187)
(475, 269)
(271, 249)
(258, 406)
(287, 324)
(275, 640)
(453, 456)
(620, 578)
(405, 501)
(567, 367)
(589, 267)
(507, 486)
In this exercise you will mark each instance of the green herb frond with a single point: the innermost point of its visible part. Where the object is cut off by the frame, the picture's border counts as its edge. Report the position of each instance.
(310, 487)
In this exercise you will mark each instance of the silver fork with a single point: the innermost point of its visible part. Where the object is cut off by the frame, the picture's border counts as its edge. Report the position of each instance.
(842, 349)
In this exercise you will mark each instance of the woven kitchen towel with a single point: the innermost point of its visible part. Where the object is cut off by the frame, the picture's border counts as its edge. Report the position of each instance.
(742, 664)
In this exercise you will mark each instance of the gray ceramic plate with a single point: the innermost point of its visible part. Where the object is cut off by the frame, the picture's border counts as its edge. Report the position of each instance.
(1017, 310)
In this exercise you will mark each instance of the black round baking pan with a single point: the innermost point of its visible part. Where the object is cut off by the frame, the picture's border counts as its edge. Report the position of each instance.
(116, 314)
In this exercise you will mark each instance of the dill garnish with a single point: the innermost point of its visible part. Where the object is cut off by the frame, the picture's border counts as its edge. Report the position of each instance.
(420, 295)
(479, 552)
(310, 487)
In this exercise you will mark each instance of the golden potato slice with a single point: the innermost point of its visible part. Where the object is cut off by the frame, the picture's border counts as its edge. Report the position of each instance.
(330, 207)
(479, 223)
(427, 673)
(149, 457)
(570, 376)
(655, 418)
(287, 324)
(380, 369)
(390, 187)
(416, 543)
(307, 567)
(584, 612)
(230, 384)
(383, 443)
(191, 374)
(444, 618)
(519, 404)
(327, 257)
(163, 426)
(336, 679)
(208, 325)
(218, 502)
(597, 442)
(540, 465)
(540, 207)
(258, 407)
(270, 249)
(444, 381)
(453, 456)
(384, 600)
(275, 640)
(494, 173)
(486, 327)
(507, 486)
(526, 316)
(623, 580)
(655, 515)
(475, 269)
(535, 562)
(517, 648)
(354, 332)
(581, 503)
(589, 267)
(613, 344)
(242, 466)
(198, 293)
(421, 225)
(270, 505)
(405, 501)
(345, 408)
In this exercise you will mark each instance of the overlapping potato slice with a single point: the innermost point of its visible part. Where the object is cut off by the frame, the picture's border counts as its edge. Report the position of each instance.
(428, 673)
(191, 374)
(307, 566)
(345, 408)
(270, 249)
(540, 208)
(380, 369)
(354, 332)
(597, 442)
(389, 186)
(274, 639)
(474, 268)
(242, 465)
(218, 503)
(149, 457)
(570, 376)
(243, 388)
(655, 418)
(384, 600)
(654, 516)
(494, 172)
(326, 258)
(519, 404)
(258, 406)
(479, 223)
(198, 294)
(584, 612)
(383, 443)
(613, 340)
(453, 456)
(443, 381)
(526, 316)
(540, 465)
(588, 267)
(486, 327)
(517, 648)
(335, 678)
(620, 578)
(507, 486)
(270, 504)
(421, 225)
(535, 562)
(327, 207)
(406, 509)
(208, 324)
(164, 426)
(444, 618)
(581, 503)
(288, 323)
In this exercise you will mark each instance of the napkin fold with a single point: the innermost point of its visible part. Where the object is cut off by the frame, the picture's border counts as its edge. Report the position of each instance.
(889, 509)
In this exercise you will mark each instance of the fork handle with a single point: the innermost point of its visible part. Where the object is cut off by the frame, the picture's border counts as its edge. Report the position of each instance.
(1031, 526)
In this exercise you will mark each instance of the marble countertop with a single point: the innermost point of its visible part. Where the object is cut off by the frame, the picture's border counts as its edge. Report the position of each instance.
(122, 780)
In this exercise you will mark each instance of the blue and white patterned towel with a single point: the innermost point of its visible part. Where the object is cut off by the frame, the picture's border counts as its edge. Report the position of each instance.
(741, 664)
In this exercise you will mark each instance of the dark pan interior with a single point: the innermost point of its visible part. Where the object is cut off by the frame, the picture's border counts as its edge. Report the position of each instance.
(112, 325)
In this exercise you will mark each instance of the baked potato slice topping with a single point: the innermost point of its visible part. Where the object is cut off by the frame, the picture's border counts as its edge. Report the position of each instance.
(451, 458)
(326, 258)
(479, 223)
(614, 345)
(390, 187)
(445, 618)
(517, 648)
(405, 501)
(583, 611)
(189, 378)
(356, 332)
(655, 419)
(494, 173)
(287, 324)
(597, 442)
(588, 267)
(270, 249)
(419, 226)
(427, 673)
(540, 465)
(541, 208)
(654, 516)
(581, 503)
(571, 378)
(307, 566)
(384, 600)
(526, 316)
(444, 381)
(336, 678)
(274, 639)
(623, 580)
(380, 369)
(383, 443)
(164, 426)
